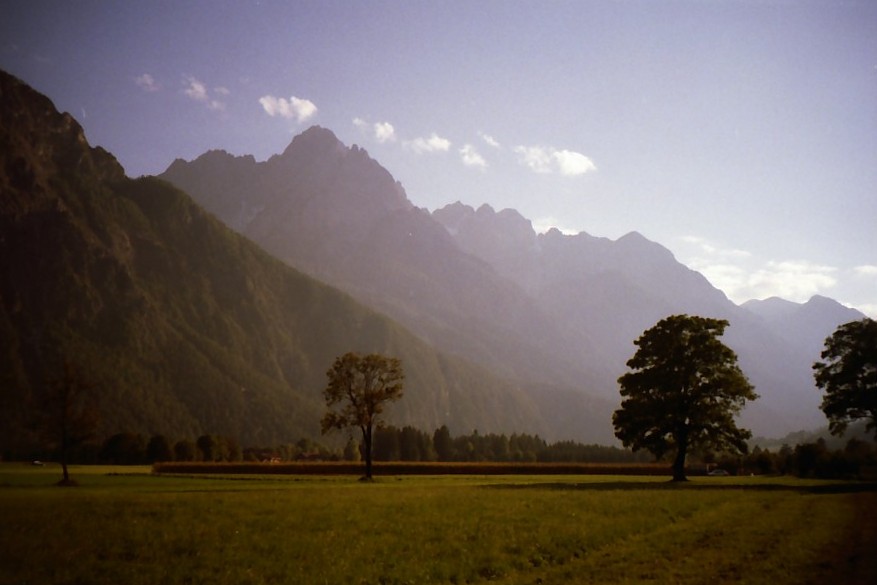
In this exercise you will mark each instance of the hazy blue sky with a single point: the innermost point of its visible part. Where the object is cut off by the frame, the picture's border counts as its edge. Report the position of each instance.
(741, 135)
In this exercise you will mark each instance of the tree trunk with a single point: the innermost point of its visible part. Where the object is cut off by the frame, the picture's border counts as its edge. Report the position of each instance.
(66, 479)
(367, 442)
(679, 461)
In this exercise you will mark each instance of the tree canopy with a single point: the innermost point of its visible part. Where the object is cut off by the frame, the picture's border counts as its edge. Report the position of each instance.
(684, 390)
(360, 387)
(848, 375)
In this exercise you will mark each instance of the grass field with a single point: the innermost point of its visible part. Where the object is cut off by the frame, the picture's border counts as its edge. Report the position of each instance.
(123, 525)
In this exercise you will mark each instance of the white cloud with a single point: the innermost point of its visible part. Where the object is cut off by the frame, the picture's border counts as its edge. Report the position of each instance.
(573, 163)
(742, 276)
(490, 140)
(536, 158)
(869, 309)
(542, 159)
(384, 132)
(705, 246)
(196, 90)
(299, 109)
(728, 278)
(381, 131)
(147, 83)
(866, 270)
(795, 280)
(544, 224)
(221, 90)
(434, 143)
(471, 158)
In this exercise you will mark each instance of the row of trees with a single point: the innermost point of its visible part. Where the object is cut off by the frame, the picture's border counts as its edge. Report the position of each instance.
(128, 448)
(803, 460)
(682, 393)
(390, 444)
(410, 444)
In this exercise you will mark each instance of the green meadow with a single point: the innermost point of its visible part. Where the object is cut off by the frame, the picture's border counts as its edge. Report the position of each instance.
(125, 525)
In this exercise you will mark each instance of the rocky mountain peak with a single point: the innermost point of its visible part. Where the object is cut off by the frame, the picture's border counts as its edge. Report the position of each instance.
(317, 140)
(37, 141)
(453, 215)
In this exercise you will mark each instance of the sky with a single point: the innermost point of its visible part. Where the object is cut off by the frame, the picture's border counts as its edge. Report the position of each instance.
(741, 135)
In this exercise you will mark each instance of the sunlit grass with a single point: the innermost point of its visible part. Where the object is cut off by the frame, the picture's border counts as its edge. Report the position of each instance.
(139, 528)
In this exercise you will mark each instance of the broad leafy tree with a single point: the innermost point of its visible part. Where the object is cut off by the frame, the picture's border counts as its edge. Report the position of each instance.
(358, 390)
(682, 392)
(848, 375)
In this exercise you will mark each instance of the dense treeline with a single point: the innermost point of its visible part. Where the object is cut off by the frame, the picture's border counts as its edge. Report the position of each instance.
(391, 444)
(813, 459)
(853, 461)
(410, 444)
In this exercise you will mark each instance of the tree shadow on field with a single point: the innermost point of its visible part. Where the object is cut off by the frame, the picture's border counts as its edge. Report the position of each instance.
(852, 487)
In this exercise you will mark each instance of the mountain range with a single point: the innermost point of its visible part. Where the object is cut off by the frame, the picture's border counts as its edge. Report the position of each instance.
(547, 308)
(214, 298)
(180, 325)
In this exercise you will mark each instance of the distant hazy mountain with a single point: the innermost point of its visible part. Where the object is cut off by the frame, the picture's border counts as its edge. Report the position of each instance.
(183, 325)
(803, 325)
(335, 213)
(611, 289)
(617, 289)
(552, 308)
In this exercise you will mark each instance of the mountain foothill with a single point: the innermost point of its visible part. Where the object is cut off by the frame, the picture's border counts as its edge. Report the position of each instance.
(214, 297)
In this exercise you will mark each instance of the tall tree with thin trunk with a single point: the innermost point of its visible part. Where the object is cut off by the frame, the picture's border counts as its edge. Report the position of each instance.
(69, 416)
(359, 388)
(683, 392)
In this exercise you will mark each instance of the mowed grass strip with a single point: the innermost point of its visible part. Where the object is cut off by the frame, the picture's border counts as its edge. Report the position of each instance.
(430, 530)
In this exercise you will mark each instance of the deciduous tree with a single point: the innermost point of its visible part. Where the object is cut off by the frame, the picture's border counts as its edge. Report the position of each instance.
(848, 375)
(69, 416)
(683, 392)
(358, 390)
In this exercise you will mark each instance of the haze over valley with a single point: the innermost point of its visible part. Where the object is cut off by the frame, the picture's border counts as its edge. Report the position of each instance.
(503, 195)
(187, 326)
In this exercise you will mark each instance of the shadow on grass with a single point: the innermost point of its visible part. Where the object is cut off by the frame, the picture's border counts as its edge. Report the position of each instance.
(851, 487)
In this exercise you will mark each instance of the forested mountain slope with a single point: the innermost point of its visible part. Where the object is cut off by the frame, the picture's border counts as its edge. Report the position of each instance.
(182, 325)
